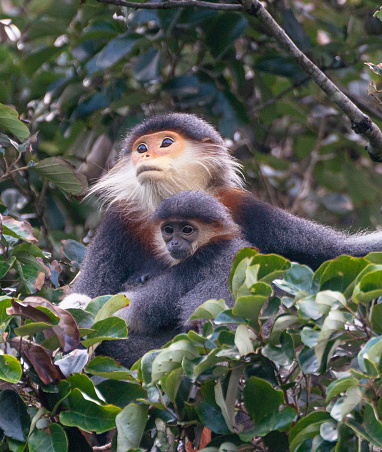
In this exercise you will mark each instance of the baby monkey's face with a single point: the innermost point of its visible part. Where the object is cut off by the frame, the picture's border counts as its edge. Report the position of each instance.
(180, 238)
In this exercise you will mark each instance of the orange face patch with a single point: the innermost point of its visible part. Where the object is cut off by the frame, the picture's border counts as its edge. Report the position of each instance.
(154, 145)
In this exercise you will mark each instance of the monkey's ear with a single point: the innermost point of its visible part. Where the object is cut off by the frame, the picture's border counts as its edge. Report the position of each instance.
(207, 140)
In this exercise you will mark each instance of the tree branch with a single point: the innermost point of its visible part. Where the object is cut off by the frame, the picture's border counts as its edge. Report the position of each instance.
(361, 123)
(171, 4)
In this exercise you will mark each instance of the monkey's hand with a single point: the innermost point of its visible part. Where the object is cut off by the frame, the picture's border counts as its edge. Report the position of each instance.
(75, 301)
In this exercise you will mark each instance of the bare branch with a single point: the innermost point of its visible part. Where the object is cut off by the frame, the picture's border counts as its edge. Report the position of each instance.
(171, 4)
(361, 123)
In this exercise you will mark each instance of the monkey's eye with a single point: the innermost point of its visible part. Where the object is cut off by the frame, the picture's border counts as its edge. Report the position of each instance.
(166, 142)
(188, 230)
(168, 230)
(141, 148)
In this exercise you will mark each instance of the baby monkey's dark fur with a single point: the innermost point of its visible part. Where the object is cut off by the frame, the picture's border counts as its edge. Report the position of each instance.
(160, 308)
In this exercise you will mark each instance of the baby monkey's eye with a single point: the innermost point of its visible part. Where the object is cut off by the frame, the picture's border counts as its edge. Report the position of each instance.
(168, 230)
(141, 148)
(188, 229)
(166, 142)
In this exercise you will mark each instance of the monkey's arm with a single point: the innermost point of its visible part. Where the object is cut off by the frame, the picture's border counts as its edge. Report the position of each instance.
(273, 230)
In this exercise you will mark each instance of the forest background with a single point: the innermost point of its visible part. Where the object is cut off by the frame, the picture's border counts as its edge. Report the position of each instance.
(79, 75)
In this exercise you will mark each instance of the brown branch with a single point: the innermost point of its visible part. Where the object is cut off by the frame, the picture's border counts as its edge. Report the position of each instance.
(170, 4)
(361, 123)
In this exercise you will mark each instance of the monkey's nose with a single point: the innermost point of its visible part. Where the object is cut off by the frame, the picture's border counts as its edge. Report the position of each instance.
(174, 242)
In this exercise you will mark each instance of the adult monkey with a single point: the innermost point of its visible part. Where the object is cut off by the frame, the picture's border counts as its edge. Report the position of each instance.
(170, 153)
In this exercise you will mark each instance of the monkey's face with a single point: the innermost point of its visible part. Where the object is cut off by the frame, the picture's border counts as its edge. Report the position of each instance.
(180, 238)
(153, 154)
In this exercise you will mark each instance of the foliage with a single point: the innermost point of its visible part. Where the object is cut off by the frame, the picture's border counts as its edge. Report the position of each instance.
(294, 365)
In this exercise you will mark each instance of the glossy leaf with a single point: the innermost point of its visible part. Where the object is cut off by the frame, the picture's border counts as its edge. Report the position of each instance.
(9, 121)
(10, 369)
(106, 367)
(131, 422)
(14, 418)
(255, 392)
(107, 329)
(53, 441)
(62, 174)
(88, 415)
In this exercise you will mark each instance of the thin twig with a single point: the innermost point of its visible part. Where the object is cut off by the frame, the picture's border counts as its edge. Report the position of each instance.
(106, 447)
(8, 173)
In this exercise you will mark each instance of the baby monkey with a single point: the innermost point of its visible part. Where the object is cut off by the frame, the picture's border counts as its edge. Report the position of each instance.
(197, 240)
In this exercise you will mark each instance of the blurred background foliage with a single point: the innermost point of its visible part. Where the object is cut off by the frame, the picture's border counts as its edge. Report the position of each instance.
(80, 74)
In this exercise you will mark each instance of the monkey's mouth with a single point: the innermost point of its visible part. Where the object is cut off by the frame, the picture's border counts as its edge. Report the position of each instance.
(144, 169)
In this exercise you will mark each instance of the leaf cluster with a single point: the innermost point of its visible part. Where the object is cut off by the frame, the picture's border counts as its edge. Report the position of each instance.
(294, 365)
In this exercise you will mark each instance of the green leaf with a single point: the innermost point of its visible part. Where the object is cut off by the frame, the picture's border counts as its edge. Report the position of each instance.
(345, 405)
(249, 307)
(54, 441)
(106, 367)
(299, 277)
(341, 385)
(96, 304)
(280, 421)
(209, 412)
(120, 393)
(10, 369)
(88, 415)
(32, 328)
(6, 265)
(113, 52)
(209, 310)
(378, 14)
(340, 274)
(363, 355)
(233, 25)
(85, 385)
(376, 318)
(309, 336)
(306, 428)
(35, 60)
(329, 432)
(148, 66)
(243, 340)
(75, 252)
(14, 418)
(237, 274)
(261, 399)
(9, 122)
(371, 431)
(171, 383)
(308, 361)
(171, 358)
(62, 174)
(5, 303)
(369, 287)
(131, 422)
(272, 266)
(107, 329)
(112, 305)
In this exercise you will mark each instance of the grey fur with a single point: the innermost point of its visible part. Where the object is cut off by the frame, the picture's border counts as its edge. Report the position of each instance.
(161, 307)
